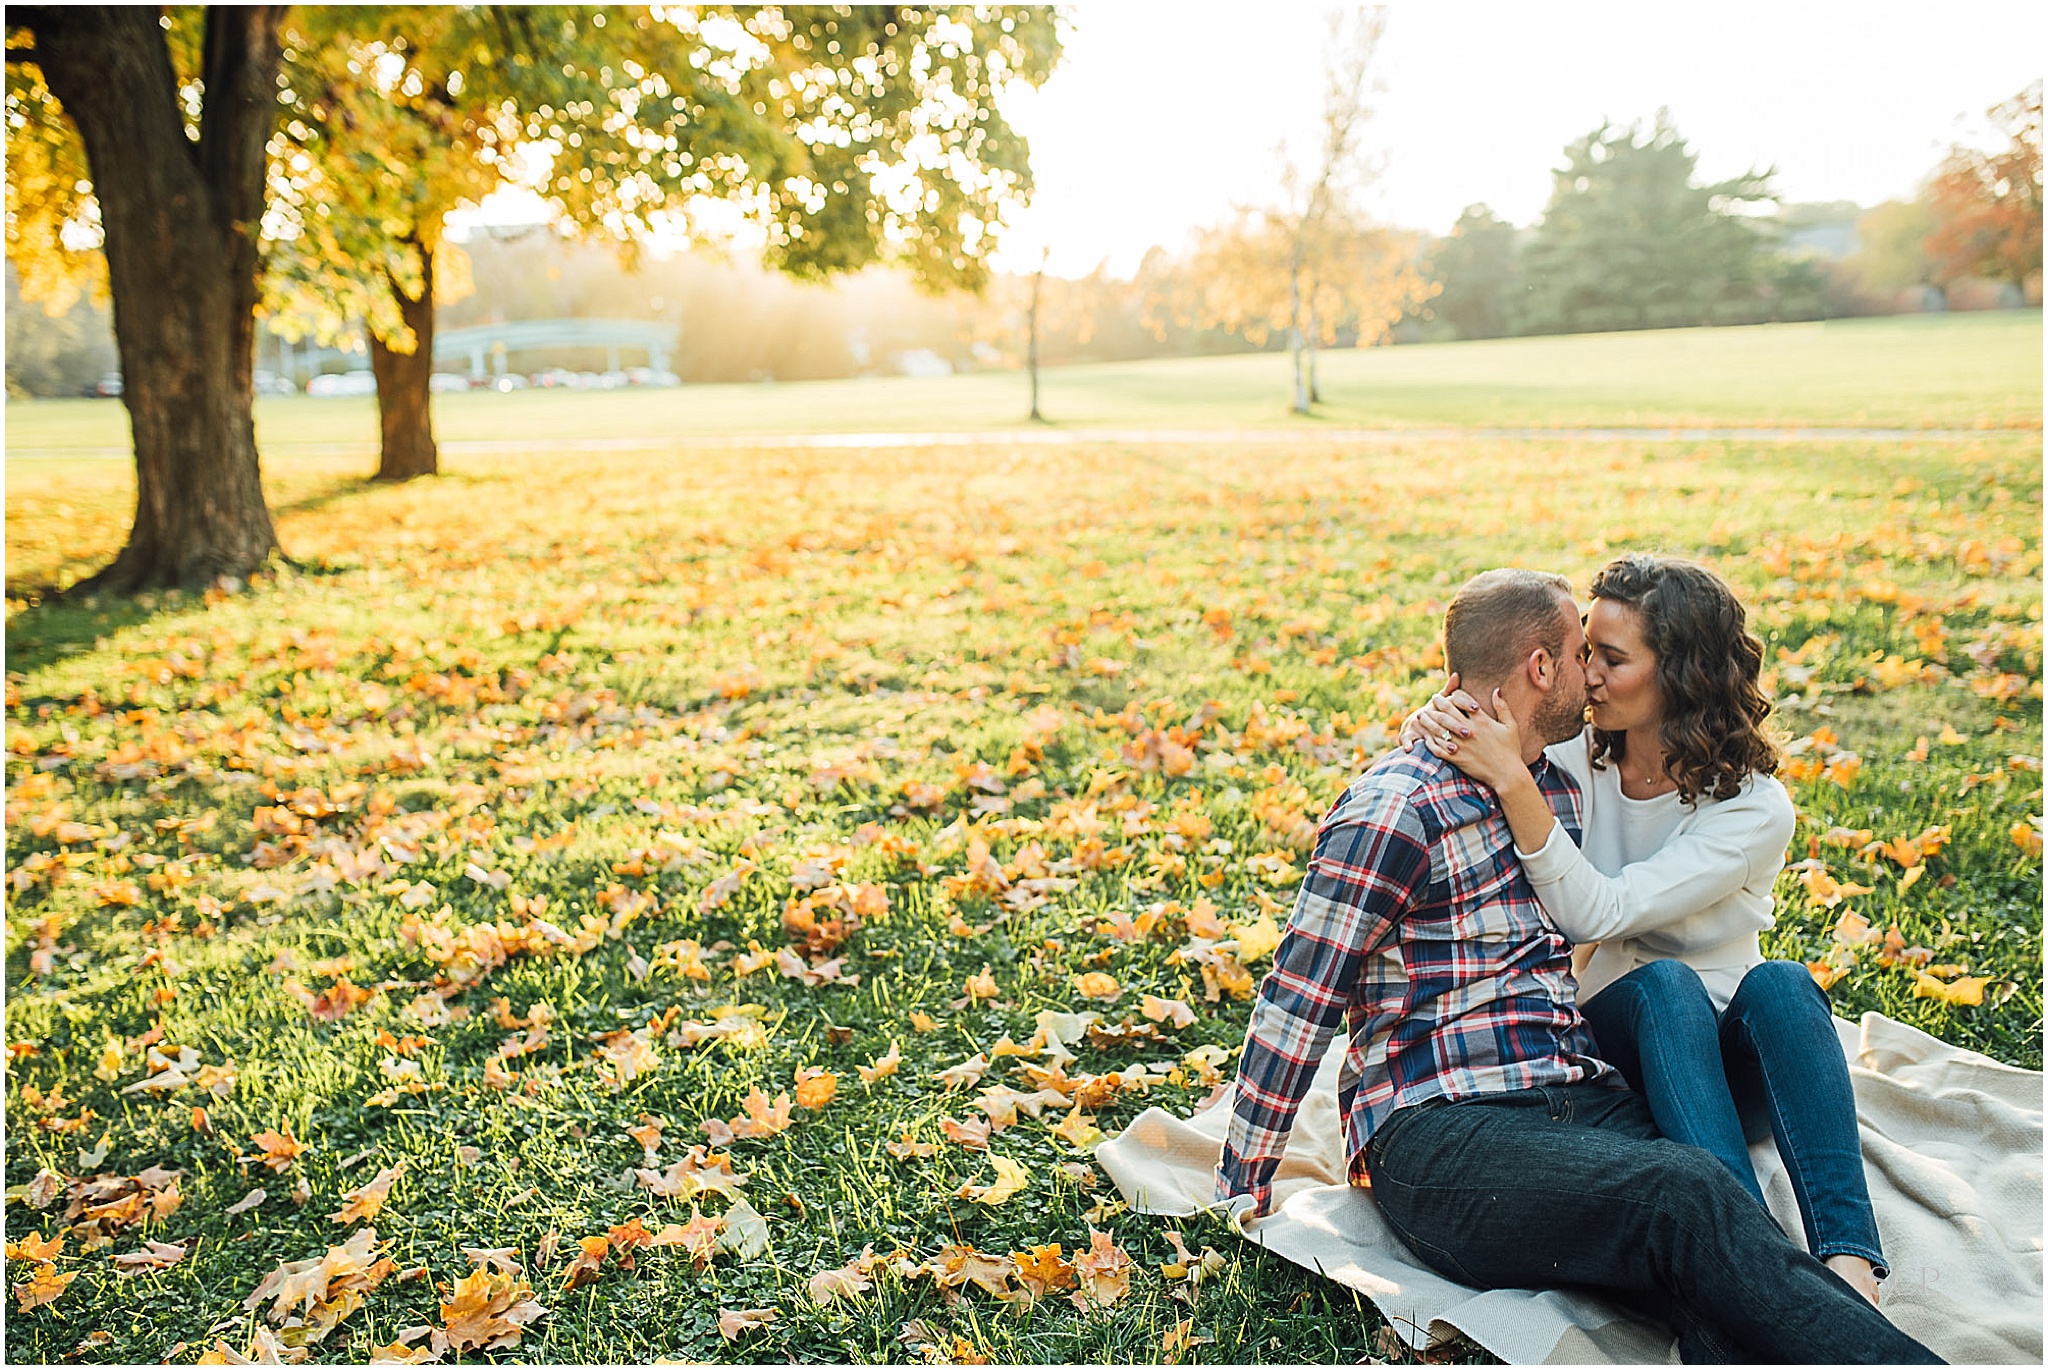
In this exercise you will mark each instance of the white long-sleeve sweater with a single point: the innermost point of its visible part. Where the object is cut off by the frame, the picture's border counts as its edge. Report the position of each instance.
(1658, 879)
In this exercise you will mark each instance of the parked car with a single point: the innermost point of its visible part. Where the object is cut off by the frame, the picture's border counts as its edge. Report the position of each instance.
(343, 383)
(922, 362)
(555, 377)
(109, 387)
(644, 375)
(447, 382)
(506, 384)
(270, 383)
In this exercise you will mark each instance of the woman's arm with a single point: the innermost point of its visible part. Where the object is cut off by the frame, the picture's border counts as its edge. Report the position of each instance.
(1489, 749)
(1698, 869)
(1446, 715)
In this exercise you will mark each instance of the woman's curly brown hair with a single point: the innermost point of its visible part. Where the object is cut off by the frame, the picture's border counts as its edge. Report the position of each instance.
(1707, 667)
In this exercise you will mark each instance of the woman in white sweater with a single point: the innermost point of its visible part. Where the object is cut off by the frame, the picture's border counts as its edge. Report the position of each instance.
(1685, 828)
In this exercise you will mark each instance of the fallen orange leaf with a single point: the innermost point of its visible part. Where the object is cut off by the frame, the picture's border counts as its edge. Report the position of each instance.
(369, 1201)
(1967, 992)
(732, 1322)
(815, 1087)
(584, 1269)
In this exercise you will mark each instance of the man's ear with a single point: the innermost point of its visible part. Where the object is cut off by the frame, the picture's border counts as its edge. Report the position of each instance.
(1541, 668)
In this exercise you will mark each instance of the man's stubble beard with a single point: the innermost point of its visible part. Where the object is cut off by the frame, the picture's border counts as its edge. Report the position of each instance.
(1560, 719)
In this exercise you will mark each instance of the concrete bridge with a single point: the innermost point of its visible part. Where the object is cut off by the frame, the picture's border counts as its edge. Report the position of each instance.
(487, 347)
(497, 341)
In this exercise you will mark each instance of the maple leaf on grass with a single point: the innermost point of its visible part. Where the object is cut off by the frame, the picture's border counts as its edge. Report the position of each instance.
(628, 1235)
(1096, 985)
(734, 1321)
(41, 1287)
(972, 1134)
(1179, 1338)
(1172, 1012)
(280, 1149)
(302, 1287)
(981, 985)
(584, 1269)
(398, 1353)
(648, 1134)
(1044, 1270)
(246, 1202)
(841, 1281)
(35, 1247)
(968, 1072)
(761, 1119)
(745, 1231)
(154, 1255)
(906, 1149)
(1011, 1178)
(504, 1259)
(1079, 1131)
(699, 1237)
(1965, 992)
(883, 1067)
(1186, 1265)
(485, 1312)
(1103, 1272)
(961, 1264)
(815, 1087)
(697, 1173)
(368, 1202)
(265, 1348)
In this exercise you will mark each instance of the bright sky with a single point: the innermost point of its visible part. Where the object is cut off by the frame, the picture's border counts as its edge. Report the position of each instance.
(1162, 116)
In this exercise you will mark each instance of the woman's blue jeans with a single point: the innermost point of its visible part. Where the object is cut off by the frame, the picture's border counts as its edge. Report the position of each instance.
(1769, 1062)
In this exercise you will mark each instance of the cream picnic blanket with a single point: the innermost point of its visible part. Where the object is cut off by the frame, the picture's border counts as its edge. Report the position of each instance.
(1951, 1144)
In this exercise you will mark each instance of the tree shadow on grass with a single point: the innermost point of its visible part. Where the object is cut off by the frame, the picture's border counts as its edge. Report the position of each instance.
(58, 623)
(58, 626)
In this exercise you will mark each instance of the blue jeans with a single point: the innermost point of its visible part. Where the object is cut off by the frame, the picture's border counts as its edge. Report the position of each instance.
(1571, 1187)
(1769, 1063)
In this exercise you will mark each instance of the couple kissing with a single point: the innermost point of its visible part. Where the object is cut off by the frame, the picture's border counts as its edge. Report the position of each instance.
(1531, 1116)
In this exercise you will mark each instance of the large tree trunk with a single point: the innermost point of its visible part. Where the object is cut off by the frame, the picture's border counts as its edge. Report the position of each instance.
(181, 221)
(405, 386)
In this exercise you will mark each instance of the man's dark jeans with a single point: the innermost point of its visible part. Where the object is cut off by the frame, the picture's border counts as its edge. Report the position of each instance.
(1572, 1187)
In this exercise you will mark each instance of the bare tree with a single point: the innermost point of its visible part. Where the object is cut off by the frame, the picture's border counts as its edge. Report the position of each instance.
(1031, 349)
(1328, 188)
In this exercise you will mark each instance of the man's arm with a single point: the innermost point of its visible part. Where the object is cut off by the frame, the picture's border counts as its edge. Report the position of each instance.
(1370, 864)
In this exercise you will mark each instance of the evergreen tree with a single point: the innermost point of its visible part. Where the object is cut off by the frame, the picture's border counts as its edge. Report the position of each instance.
(1629, 241)
(1476, 275)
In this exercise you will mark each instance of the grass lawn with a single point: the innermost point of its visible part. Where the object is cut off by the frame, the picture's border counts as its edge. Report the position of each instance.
(551, 824)
(1926, 371)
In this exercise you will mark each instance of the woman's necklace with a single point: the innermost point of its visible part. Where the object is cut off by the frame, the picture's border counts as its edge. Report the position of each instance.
(1649, 786)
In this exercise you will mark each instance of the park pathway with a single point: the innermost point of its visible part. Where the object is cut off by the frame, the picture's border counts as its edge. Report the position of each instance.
(1060, 437)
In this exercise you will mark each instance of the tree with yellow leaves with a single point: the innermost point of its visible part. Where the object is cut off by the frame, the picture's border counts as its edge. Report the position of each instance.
(848, 135)
(1312, 265)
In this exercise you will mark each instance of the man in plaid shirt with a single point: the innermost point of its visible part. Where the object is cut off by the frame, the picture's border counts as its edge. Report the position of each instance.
(1502, 1151)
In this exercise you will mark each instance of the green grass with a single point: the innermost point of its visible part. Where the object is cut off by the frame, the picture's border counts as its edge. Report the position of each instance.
(1926, 371)
(776, 656)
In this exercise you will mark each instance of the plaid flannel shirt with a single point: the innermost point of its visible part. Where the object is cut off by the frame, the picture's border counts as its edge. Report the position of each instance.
(1415, 929)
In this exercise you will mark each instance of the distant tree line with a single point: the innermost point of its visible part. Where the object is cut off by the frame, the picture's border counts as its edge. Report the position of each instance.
(1629, 240)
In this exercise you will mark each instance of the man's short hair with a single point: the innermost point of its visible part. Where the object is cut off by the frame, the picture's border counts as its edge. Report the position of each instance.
(1501, 616)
